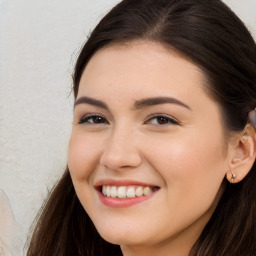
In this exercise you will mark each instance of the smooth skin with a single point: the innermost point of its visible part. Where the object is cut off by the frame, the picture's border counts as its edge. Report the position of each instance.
(178, 146)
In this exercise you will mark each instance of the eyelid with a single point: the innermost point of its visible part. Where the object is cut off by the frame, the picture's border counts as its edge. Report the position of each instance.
(172, 120)
(86, 117)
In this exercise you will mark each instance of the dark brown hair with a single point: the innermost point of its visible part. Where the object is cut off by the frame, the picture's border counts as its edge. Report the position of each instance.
(209, 34)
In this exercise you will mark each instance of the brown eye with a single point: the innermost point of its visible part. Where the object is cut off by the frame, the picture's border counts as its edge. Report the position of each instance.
(162, 120)
(97, 120)
(93, 119)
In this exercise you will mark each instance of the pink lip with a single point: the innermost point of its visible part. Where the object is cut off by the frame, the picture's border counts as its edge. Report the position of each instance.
(123, 202)
(113, 182)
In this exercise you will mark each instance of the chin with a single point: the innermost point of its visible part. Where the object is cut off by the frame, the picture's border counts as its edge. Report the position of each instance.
(123, 239)
(122, 236)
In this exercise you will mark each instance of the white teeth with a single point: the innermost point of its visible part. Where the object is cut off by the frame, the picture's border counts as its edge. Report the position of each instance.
(104, 190)
(126, 191)
(113, 191)
(139, 191)
(121, 192)
(147, 191)
(108, 191)
(130, 192)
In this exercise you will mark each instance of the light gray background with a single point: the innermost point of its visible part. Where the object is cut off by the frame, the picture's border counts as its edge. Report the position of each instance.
(39, 42)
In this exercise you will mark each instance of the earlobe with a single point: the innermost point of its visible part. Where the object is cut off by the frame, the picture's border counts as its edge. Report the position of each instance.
(243, 155)
(232, 177)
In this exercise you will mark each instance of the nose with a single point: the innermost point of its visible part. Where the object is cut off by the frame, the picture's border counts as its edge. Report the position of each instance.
(121, 151)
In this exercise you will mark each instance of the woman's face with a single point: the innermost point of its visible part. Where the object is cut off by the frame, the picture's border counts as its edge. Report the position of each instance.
(147, 153)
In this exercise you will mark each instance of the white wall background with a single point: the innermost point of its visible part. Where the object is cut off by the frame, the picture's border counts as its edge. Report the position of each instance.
(39, 41)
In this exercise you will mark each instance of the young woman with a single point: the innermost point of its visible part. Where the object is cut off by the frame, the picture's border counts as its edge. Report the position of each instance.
(161, 157)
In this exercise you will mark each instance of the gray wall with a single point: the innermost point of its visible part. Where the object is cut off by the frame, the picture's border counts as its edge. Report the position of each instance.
(39, 41)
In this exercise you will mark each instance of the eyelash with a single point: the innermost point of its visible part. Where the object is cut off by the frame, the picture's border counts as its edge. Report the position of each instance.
(166, 120)
(86, 119)
(160, 117)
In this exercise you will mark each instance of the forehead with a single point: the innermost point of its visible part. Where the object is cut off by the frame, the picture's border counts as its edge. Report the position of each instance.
(141, 64)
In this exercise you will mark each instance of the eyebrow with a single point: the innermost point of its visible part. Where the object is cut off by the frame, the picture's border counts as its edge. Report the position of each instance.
(91, 101)
(158, 100)
(139, 104)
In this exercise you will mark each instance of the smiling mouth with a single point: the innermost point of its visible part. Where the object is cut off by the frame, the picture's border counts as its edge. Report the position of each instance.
(123, 192)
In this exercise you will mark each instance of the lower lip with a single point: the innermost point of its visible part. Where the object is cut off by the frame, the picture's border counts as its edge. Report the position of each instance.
(124, 202)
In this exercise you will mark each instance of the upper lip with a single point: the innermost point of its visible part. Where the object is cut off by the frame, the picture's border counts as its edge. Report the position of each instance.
(115, 182)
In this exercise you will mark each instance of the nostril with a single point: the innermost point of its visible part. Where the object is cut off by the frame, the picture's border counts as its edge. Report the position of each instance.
(120, 155)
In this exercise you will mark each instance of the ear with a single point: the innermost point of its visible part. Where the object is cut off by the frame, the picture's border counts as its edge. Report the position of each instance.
(242, 154)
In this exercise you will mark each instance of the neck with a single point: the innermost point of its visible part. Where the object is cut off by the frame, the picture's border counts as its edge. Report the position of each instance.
(178, 245)
(181, 250)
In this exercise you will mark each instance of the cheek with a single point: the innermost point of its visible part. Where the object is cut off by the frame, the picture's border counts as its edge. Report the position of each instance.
(194, 160)
(82, 156)
(193, 171)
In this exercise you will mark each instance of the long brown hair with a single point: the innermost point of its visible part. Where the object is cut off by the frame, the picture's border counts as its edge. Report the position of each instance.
(209, 34)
